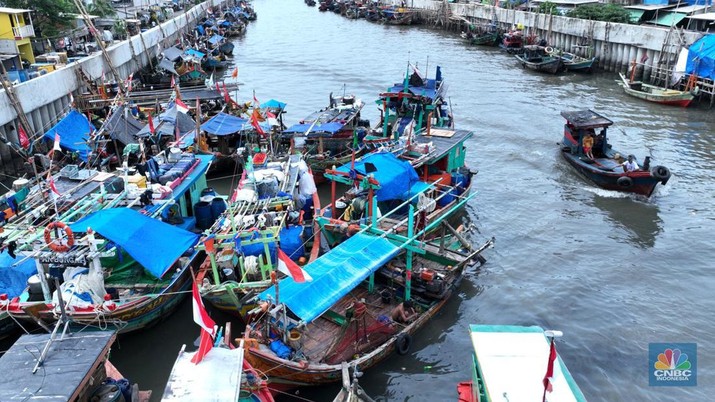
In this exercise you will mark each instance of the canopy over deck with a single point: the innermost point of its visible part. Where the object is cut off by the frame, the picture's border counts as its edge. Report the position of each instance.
(513, 360)
(215, 379)
(74, 130)
(334, 275)
(153, 244)
(395, 176)
(13, 279)
(586, 119)
(223, 124)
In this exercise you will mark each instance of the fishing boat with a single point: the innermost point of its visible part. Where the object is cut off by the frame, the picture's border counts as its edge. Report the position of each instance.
(537, 58)
(222, 374)
(488, 35)
(606, 169)
(572, 61)
(512, 41)
(329, 136)
(351, 391)
(517, 363)
(269, 221)
(655, 94)
(65, 367)
(303, 332)
(121, 279)
(397, 16)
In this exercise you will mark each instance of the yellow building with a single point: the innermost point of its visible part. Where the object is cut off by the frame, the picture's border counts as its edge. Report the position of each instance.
(16, 24)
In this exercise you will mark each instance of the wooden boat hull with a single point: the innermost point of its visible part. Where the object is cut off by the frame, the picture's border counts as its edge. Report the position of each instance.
(641, 182)
(550, 65)
(491, 39)
(654, 94)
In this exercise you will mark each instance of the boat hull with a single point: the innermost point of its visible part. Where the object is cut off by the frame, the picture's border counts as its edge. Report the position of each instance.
(651, 93)
(550, 65)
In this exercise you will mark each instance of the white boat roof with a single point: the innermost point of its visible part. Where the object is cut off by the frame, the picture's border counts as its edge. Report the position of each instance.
(513, 360)
(215, 378)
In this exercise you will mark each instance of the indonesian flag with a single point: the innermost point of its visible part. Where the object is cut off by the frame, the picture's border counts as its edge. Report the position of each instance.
(290, 268)
(181, 106)
(548, 378)
(271, 119)
(151, 124)
(205, 322)
(53, 187)
(129, 81)
(22, 136)
(57, 147)
(234, 73)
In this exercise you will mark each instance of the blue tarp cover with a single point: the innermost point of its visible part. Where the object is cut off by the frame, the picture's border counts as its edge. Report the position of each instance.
(396, 177)
(165, 123)
(215, 39)
(153, 244)
(74, 131)
(223, 124)
(429, 89)
(195, 53)
(701, 57)
(273, 104)
(13, 280)
(331, 128)
(334, 275)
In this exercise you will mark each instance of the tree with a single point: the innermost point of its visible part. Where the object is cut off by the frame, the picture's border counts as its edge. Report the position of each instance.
(601, 12)
(548, 7)
(50, 17)
(101, 8)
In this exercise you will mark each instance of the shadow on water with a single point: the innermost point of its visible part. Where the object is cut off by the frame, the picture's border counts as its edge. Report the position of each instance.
(639, 219)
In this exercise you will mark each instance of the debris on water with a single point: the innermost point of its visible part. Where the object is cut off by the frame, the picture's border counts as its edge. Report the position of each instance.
(428, 368)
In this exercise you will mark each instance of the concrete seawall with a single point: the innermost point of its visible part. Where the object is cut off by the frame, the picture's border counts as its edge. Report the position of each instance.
(615, 44)
(46, 99)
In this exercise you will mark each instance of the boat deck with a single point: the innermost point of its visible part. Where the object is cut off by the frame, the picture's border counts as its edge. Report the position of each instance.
(72, 365)
(443, 140)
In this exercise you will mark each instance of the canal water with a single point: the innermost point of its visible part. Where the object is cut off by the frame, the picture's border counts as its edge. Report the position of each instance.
(612, 271)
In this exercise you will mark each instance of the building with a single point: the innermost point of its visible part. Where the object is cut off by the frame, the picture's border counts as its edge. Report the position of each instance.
(16, 25)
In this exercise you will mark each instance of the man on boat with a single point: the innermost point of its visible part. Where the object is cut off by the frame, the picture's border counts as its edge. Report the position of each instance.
(404, 312)
(630, 165)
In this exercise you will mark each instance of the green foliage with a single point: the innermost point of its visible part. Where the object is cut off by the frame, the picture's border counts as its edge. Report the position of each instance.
(548, 7)
(601, 12)
(101, 8)
(50, 18)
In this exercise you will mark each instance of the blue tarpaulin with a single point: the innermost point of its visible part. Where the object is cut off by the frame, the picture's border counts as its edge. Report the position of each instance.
(194, 53)
(13, 280)
(334, 275)
(273, 104)
(153, 244)
(215, 39)
(223, 124)
(331, 128)
(74, 131)
(701, 57)
(165, 123)
(396, 177)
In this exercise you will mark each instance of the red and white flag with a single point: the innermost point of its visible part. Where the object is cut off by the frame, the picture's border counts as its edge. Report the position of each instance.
(207, 325)
(549, 377)
(234, 73)
(181, 106)
(256, 119)
(53, 187)
(151, 124)
(22, 136)
(271, 118)
(57, 147)
(173, 83)
(290, 268)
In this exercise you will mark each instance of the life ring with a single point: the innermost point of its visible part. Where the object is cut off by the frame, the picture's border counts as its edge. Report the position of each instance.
(403, 343)
(660, 172)
(549, 49)
(624, 181)
(54, 244)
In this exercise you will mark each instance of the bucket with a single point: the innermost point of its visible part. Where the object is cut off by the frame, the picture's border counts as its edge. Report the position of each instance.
(20, 183)
(294, 339)
(202, 211)
(218, 205)
(174, 155)
(229, 274)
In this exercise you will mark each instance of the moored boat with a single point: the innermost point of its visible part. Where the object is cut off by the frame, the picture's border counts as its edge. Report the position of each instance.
(655, 94)
(574, 62)
(517, 363)
(512, 41)
(537, 58)
(607, 168)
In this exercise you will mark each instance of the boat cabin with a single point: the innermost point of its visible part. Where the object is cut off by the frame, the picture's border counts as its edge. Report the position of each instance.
(581, 123)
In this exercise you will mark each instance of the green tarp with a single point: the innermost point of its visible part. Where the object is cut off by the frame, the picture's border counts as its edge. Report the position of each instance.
(668, 19)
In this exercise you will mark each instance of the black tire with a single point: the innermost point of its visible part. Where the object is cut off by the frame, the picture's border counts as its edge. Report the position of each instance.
(625, 182)
(660, 172)
(403, 343)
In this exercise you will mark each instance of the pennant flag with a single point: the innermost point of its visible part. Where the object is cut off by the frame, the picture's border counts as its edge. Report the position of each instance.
(173, 82)
(209, 242)
(181, 107)
(53, 187)
(210, 82)
(71, 100)
(22, 136)
(255, 100)
(201, 317)
(234, 73)
(57, 147)
(151, 124)
(129, 82)
(255, 121)
(414, 69)
(548, 378)
(104, 79)
(271, 119)
(226, 96)
(644, 58)
(290, 268)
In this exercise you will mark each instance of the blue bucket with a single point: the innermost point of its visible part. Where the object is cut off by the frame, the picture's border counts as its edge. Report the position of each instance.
(218, 205)
(446, 199)
(204, 218)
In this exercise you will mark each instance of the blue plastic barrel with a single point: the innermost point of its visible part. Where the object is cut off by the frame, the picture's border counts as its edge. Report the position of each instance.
(446, 199)
(291, 242)
(218, 205)
(204, 218)
(460, 181)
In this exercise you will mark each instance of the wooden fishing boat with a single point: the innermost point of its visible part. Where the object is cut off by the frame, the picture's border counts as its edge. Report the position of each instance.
(517, 363)
(304, 331)
(271, 212)
(121, 280)
(606, 169)
(574, 62)
(397, 16)
(65, 367)
(222, 375)
(487, 37)
(329, 136)
(351, 391)
(652, 93)
(512, 41)
(536, 58)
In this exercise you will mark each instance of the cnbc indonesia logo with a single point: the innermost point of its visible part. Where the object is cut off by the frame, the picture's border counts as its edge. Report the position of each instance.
(673, 364)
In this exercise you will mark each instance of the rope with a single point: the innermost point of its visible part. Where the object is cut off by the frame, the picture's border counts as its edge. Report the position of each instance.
(292, 395)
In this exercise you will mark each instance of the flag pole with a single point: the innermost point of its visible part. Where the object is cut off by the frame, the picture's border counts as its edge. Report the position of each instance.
(548, 377)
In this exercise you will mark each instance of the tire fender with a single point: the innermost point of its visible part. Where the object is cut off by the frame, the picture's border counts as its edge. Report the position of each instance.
(625, 181)
(403, 343)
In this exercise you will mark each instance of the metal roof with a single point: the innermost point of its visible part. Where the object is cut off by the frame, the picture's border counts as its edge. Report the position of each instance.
(668, 19)
(7, 10)
(585, 119)
(650, 7)
(703, 17)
